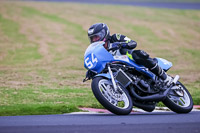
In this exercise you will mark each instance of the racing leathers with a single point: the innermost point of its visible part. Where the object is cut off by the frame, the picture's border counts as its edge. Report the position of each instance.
(140, 56)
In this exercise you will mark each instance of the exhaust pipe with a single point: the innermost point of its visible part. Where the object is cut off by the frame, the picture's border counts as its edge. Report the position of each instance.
(145, 107)
(155, 97)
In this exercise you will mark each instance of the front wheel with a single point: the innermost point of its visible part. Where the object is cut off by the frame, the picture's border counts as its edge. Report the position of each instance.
(118, 102)
(179, 99)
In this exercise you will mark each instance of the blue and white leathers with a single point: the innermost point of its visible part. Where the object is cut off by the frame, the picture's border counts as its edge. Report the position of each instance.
(96, 57)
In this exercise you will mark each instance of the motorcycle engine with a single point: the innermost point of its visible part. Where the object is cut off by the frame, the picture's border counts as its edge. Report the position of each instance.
(147, 85)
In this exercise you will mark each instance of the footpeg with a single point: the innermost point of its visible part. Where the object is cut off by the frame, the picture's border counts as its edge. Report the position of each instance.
(176, 78)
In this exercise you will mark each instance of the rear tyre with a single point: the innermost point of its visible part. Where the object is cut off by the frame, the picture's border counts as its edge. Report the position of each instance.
(179, 99)
(118, 102)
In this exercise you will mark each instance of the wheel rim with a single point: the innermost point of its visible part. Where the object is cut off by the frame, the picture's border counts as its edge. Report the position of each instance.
(119, 99)
(179, 96)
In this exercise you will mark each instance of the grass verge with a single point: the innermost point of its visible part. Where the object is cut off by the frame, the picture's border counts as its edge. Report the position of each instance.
(42, 47)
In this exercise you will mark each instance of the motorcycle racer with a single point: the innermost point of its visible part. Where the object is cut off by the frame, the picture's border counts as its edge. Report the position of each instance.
(100, 32)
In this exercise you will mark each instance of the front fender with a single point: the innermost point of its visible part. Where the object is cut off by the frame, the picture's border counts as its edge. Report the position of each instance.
(106, 75)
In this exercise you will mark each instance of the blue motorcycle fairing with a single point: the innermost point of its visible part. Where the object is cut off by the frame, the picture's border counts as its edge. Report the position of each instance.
(93, 46)
(164, 64)
(96, 57)
(132, 63)
(106, 75)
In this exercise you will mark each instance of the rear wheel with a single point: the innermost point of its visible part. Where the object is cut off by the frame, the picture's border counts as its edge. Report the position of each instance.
(118, 102)
(179, 99)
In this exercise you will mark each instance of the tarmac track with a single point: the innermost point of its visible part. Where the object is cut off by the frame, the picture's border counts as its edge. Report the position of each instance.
(155, 122)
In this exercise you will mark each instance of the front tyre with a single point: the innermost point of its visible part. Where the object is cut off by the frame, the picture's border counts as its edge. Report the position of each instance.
(119, 102)
(179, 99)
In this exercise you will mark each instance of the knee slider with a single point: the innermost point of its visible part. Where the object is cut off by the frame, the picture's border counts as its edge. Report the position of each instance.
(141, 54)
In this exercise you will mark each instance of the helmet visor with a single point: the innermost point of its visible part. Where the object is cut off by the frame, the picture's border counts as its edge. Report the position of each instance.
(97, 37)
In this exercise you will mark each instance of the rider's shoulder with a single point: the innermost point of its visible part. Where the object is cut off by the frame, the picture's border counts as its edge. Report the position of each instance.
(117, 37)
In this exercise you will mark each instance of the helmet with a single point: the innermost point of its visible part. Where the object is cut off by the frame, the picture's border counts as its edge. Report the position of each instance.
(98, 32)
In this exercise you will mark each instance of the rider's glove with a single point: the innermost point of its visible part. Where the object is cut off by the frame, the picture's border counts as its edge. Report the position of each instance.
(120, 45)
(124, 45)
(116, 45)
(131, 45)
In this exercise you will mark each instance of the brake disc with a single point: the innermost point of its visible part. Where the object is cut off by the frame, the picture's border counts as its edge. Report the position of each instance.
(178, 90)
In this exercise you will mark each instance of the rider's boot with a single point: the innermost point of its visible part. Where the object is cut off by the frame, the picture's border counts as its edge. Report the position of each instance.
(168, 80)
(141, 57)
(161, 74)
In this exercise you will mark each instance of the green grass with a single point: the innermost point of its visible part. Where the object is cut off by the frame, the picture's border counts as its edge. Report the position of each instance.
(42, 47)
(145, 32)
(194, 89)
(72, 27)
(19, 55)
(36, 109)
(11, 29)
(44, 100)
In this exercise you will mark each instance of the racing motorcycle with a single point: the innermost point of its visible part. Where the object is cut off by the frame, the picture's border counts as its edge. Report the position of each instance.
(119, 83)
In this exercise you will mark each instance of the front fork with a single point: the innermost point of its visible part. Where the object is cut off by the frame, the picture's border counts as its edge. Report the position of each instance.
(112, 78)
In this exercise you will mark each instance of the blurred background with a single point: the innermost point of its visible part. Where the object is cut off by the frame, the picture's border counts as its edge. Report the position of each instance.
(42, 45)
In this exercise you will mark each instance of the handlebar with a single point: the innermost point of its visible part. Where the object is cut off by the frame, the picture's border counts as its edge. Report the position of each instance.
(118, 46)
